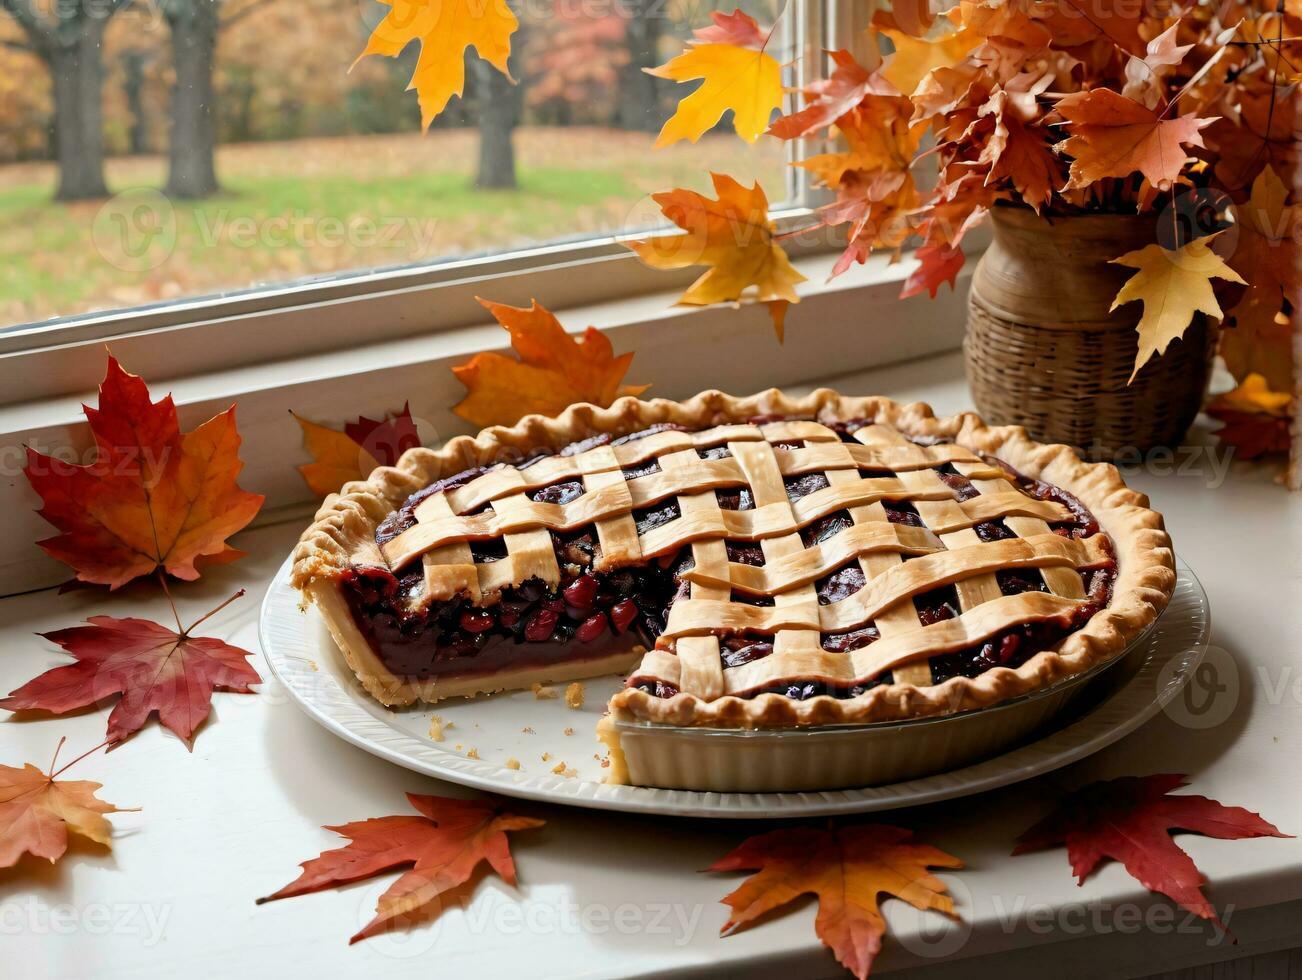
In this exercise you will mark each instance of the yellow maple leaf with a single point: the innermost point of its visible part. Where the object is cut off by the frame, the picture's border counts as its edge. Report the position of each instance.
(337, 459)
(554, 370)
(1254, 396)
(732, 235)
(445, 29)
(738, 75)
(1173, 286)
(342, 456)
(915, 58)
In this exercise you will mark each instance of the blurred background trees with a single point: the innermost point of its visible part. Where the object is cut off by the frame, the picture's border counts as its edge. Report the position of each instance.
(192, 27)
(280, 163)
(82, 78)
(66, 42)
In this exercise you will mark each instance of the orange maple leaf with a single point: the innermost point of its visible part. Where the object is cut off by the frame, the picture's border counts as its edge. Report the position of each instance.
(1113, 136)
(959, 206)
(879, 140)
(1269, 256)
(1264, 134)
(1144, 76)
(445, 29)
(154, 498)
(342, 457)
(913, 17)
(1252, 435)
(876, 221)
(37, 811)
(444, 846)
(734, 236)
(944, 90)
(554, 370)
(1074, 23)
(847, 868)
(1019, 151)
(153, 668)
(736, 75)
(1012, 38)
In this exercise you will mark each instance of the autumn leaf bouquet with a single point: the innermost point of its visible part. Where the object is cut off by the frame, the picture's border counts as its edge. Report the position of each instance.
(1139, 159)
(1181, 117)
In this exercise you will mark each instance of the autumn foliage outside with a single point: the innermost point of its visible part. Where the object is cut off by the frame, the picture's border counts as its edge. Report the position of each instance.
(297, 165)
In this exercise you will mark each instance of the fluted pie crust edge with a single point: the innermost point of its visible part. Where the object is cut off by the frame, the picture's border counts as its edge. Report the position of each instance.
(343, 532)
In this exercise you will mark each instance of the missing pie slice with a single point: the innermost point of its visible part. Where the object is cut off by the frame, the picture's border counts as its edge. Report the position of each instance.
(761, 562)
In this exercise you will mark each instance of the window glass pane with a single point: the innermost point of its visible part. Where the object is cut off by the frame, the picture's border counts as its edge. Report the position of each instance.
(182, 148)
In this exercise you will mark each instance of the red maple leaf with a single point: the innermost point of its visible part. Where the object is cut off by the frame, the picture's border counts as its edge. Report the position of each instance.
(737, 28)
(1130, 820)
(385, 439)
(154, 498)
(937, 264)
(1252, 434)
(832, 98)
(444, 846)
(152, 667)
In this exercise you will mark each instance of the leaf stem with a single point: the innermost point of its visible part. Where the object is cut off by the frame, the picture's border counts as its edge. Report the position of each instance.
(189, 629)
(57, 749)
(162, 580)
(1268, 42)
(773, 27)
(55, 774)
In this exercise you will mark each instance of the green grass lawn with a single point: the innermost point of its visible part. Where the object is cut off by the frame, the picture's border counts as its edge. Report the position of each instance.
(317, 206)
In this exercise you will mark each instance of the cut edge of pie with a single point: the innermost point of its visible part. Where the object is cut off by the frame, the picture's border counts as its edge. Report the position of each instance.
(343, 536)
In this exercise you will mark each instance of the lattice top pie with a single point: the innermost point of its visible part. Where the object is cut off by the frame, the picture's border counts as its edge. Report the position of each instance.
(762, 561)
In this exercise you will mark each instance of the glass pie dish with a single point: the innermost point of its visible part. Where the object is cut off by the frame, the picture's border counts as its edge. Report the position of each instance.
(729, 760)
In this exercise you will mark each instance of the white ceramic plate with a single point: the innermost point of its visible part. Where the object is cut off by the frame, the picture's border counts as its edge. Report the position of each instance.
(542, 735)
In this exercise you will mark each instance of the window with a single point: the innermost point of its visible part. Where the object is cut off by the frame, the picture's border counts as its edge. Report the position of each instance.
(157, 152)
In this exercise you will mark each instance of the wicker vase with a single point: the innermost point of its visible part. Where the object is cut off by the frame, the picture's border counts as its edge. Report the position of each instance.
(1043, 351)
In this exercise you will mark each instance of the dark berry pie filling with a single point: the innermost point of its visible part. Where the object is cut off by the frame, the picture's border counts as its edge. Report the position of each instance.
(593, 614)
